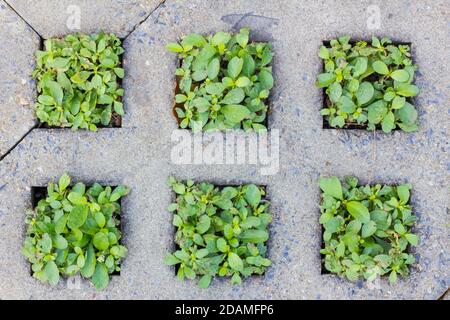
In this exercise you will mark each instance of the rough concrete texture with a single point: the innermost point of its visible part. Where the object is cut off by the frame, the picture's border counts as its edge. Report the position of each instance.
(138, 154)
(52, 18)
(18, 92)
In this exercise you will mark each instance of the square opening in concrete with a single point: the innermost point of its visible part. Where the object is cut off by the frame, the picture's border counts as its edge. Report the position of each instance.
(326, 102)
(257, 101)
(221, 234)
(38, 193)
(98, 97)
(384, 235)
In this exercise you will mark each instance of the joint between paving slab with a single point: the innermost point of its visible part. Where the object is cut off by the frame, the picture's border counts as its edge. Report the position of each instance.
(23, 19)
(3, 156)
(443, 296)
(144, 20)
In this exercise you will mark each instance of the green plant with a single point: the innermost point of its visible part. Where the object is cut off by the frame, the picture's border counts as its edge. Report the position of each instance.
(75, 230)
(220, 231)
(367, 229)
(78, 82)
(368, 84)
(223, 81)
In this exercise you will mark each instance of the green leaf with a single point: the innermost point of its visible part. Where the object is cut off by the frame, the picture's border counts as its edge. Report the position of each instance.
(358, 211)
(59, 242)
(64, 182)
(393, 277)
(235, 261)
(368, 229)
(213, 68)
(55, 91)
(403, 193)
(407, 114)
(254, 236)
(220, 38)
(407, 90)
(236, 279)
(89, 264)
(101, 241)
(222, 245)
(252, 195)
(100, 219)
(388, 122)
(58, 63)
(120, 72)
(331, 186)
(177, 221)
(234, 96)
(360, 66)
(399, 228)
(80, 77)
(235, 113)
(205, 281)
(118, 108)
(107, 63)
(118, 193)
(179, 188)
(242, 82)
(76, 198)
(323, 53)
(77, 217)
(203, 224)
(194, 39)
(171, 260)
(364, 93)
(346, 105)
(412, 239)
(335, 91)
(380, 67)
(398, 102)
(242, 37)
(174, 47)
(325, 79)
(60, 224)
(52, 272)
(100, 278)
(266, 79)
(400, 75)
(46, 100)
(376, 111)
(353, 226)
(46, 243)
(235, 67)
(384, 259)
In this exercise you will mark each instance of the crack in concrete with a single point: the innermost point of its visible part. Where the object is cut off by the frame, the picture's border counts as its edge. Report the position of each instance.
(3, 156)
(22, 18)
(444, 294)
(41, 39)
(144, 20)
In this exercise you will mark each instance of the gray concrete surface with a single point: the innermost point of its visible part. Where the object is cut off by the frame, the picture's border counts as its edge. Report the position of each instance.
(17, 89)
(52, 18)
(138, 154)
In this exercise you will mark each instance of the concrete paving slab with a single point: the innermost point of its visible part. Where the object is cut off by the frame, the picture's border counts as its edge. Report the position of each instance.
(17, 93)
(55, 18)
(138, 154)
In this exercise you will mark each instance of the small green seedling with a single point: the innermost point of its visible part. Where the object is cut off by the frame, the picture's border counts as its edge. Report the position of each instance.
(220, 231)
(78, 81)
(367, 229)
(223, 81)
(368, 85)
(74, 230)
